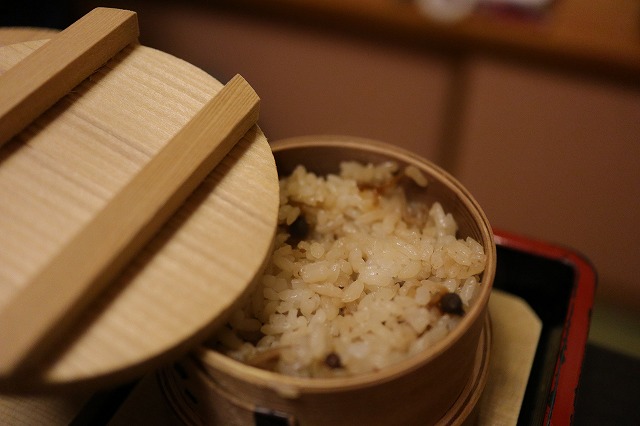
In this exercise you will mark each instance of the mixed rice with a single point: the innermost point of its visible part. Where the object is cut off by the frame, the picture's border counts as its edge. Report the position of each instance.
(360, 276)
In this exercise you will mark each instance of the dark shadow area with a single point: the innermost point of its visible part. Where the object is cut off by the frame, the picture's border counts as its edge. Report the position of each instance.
(36, 13)
(609, 392)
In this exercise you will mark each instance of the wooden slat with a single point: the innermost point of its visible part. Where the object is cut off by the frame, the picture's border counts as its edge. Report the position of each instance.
(60, 65)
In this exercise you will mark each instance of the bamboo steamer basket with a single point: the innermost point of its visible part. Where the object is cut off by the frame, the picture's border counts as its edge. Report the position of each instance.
(438, 386)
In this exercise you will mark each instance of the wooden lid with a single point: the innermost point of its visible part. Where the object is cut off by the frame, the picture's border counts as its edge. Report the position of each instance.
(58, 173)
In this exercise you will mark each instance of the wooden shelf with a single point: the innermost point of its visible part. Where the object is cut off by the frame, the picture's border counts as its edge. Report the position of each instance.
(597, 36)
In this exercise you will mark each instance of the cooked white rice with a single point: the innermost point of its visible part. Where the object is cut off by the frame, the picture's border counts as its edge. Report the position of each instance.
(363, 288)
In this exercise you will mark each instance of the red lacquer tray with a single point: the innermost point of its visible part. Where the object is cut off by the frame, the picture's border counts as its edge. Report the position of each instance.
(559, 284)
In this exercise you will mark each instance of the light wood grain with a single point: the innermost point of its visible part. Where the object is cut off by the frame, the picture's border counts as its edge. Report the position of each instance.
(108, 242)
(58, 66)
(13, 35)
(70, 163)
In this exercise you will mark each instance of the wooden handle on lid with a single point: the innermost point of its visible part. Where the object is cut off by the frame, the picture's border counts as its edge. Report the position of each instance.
(42, 78)
(49, 303)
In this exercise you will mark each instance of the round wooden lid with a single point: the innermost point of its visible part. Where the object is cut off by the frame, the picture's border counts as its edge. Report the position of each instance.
(61, 170)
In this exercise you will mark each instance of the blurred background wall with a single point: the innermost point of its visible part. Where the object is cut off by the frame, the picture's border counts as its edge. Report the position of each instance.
(550, 152)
